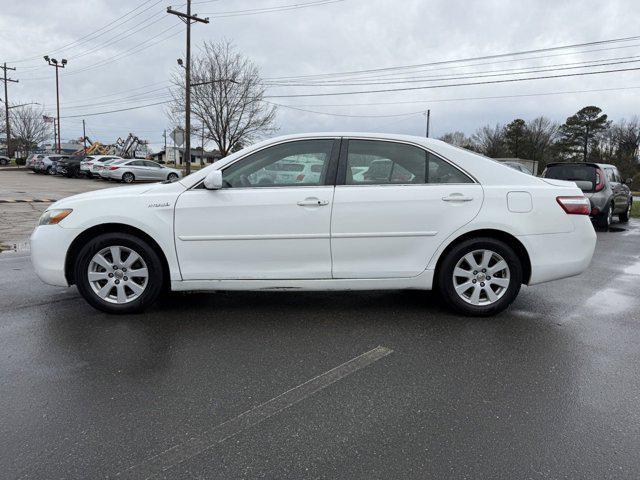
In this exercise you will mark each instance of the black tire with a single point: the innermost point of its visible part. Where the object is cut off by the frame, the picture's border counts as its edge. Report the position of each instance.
(604, 219)
(172, 177)
(445, 279)
(154, 266)
(88, 174)
(624, 216)
(48, 171)
(128, 177)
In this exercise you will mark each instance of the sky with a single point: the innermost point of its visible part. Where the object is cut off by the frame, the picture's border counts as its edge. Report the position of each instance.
(121, 54)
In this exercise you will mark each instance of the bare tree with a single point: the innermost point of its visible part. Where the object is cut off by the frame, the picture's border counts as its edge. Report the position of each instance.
(490, 141)
(457, 139)
(227, 97)
(541, 133)
(28, 128)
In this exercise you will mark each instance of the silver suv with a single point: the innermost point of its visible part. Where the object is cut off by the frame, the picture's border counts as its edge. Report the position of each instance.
(601, 184)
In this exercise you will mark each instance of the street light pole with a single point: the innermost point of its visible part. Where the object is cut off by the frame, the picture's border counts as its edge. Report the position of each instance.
(187, 18)
(54, 63)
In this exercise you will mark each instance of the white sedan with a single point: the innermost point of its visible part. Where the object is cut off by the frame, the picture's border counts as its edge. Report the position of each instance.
(435, 217)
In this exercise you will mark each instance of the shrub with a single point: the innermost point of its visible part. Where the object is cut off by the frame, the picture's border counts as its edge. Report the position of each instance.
(21, 161)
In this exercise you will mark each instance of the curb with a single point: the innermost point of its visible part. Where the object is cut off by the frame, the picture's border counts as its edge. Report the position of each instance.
(27, 200)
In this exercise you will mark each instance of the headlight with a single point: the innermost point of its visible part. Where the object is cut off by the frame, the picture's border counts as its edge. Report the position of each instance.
(51, 217)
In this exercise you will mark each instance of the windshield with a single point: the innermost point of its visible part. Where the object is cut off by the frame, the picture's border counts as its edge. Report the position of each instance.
(572, 172)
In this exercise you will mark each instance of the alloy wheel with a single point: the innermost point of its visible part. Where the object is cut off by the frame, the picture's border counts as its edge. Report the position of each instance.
(118, 274)
(481, 277)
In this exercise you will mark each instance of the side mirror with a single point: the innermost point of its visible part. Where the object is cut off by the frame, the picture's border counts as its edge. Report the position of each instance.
(213, 180)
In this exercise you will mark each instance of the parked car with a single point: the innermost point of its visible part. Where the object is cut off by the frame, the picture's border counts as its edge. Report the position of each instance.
(131, 170)
(4, 161)
(464, 224)
(32, 159)
(518, 166)
(55, 161)
(70, 166)
(46, 164)
(89, 166)
(601, 184)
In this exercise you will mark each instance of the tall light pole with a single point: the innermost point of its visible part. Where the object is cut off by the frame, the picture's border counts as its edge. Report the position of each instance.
(6, 105)
(187, 18)
(54, 63)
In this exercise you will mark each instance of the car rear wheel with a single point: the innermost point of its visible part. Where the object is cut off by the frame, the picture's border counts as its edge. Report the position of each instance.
(480, 277)
(119, 273)
(605, 219)
(128, 177)
(172, 177)
(624, 216)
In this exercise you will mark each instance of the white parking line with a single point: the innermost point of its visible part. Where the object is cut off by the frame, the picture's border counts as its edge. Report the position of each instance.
(184, 451)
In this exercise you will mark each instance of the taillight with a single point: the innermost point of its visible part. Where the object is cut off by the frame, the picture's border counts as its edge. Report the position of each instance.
(575, 205)
(113, 168)
(599, 179)
(300, 177)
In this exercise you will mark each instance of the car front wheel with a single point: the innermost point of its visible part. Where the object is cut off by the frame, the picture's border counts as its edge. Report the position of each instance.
(480, 277)
(624, 216)
(119, 273)
(128, 177)
(172, 177)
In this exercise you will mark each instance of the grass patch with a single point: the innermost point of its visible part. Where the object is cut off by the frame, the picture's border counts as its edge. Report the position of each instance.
(635, 210)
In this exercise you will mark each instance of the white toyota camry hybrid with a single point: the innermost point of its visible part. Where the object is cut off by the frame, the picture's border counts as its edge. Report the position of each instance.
(335, 211)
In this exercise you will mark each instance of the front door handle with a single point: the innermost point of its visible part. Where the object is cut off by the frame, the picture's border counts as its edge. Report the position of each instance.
(457, 197)
(313, 202)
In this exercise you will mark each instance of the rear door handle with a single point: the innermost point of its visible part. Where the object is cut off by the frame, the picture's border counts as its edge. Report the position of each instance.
(457, 197)
(313, 202)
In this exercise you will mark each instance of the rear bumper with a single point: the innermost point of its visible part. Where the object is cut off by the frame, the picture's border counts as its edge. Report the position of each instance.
(49, 246)
(561, 255)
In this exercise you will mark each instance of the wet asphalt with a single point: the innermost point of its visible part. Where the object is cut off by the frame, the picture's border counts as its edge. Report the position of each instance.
(213, 385)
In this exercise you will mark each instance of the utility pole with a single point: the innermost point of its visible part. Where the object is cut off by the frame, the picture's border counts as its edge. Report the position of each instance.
(187, 18)
(84, 139)
(6, 105)
(202, 146)
(54, 63)
(428, 115)
(164, 135)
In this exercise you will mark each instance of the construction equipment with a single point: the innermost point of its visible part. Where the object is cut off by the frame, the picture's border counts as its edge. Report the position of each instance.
(130, 147)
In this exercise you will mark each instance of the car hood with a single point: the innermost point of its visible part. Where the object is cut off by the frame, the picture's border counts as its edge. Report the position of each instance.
(109, 193)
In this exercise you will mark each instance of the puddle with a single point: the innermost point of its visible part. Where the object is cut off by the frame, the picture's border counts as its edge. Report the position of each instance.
(14, 247)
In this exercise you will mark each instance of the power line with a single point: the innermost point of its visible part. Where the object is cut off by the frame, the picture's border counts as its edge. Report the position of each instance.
(425, 87)
(280, 8)
(468, 59)
(492, 97)
(480, 74)
(94, 32)
(460, 99)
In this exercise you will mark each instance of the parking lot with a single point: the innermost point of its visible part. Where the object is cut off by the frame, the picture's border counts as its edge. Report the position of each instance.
(320, 385)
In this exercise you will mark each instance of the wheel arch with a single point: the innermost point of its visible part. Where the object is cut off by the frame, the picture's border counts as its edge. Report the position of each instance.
(507, 238)
(82, 238)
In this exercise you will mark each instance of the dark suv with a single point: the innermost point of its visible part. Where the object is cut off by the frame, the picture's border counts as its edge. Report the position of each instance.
(70, 166)
(601, 184)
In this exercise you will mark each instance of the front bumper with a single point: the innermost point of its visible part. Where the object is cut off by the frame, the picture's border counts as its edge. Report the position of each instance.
(49, 246)
(559, 255)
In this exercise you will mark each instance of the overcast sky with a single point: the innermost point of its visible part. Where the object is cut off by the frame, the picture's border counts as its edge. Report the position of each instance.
(335, 37)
